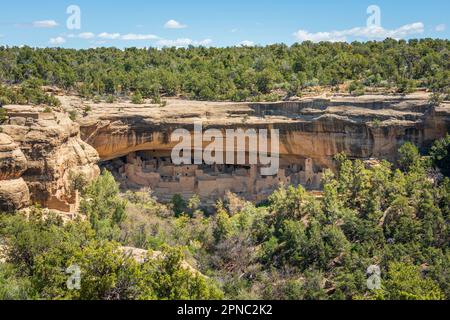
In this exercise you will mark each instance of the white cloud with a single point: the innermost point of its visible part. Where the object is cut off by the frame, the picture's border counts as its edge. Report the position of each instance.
(234, 30)
(127, 37)
(83, 35)
(183, 42)
(173, 24)
(441, 28)
(247, 43)
(206, 42)
(45, 24)
(303, 35)
(371, 32)
(57, 41)
(86, 35)
(109, 36)
(132, 36)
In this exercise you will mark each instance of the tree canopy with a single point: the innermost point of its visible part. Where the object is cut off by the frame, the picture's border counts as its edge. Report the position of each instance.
(233, 73)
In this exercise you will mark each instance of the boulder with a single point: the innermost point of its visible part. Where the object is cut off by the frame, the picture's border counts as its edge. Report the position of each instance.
(14, 195)
(48, 153)
(12, 160)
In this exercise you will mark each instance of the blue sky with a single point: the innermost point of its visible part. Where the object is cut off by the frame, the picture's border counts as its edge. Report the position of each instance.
(147, 23)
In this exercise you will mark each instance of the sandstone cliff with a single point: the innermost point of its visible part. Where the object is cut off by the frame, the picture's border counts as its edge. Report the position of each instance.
(40, 154)
(316, 128)
(14, 192)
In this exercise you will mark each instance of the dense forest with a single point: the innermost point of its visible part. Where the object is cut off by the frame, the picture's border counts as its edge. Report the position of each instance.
(236, 73)
(295, 246)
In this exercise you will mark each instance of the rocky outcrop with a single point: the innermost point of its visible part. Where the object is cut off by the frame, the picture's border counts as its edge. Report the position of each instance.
(40, 155)
(14, 192)
(142, 256)
(14, 195)
(42, 152)
(12, 160)
(316, 128)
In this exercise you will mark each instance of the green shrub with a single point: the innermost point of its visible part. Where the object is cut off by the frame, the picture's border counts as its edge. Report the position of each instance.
(110, 99)
(179, 206)
(86, 110)
(406, 86)
(73, 115)
(376, 123)
(436, 99)
(28, 93)
(137, 98)
(101, 201)
(356, 88)
(4, 100)
(156, 99)
(3, 115)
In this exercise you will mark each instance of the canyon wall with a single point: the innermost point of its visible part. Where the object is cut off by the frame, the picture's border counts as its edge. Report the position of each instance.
(40, 154)
(364, 127)
(14, 193)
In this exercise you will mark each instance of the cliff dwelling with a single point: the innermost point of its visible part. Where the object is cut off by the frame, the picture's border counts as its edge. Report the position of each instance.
(41, 152)
(134, 142)
(209, 182)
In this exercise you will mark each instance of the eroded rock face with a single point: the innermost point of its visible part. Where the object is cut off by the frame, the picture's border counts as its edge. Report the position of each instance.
(45, 151)
(141, 256)
(51, 154)
(314, 128)
(14, 193)
(12, 160)
(311, 131)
